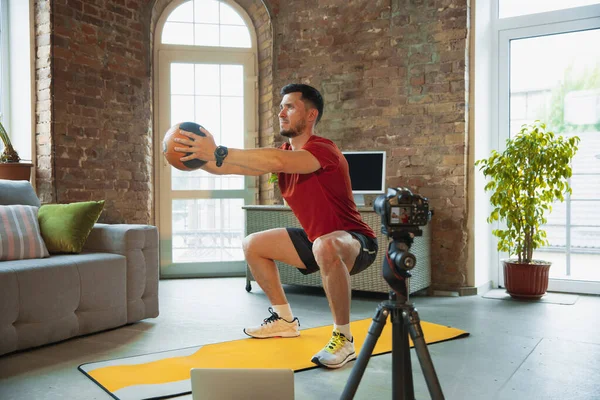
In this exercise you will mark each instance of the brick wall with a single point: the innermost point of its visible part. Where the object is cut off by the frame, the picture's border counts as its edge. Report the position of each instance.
(44, 175)
(393, 77)
(101, 145)
(392, 73)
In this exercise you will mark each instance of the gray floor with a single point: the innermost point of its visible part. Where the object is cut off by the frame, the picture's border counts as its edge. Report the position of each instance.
(516, 350)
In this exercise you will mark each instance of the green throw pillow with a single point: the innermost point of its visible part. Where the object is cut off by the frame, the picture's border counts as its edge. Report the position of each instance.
(66, 227)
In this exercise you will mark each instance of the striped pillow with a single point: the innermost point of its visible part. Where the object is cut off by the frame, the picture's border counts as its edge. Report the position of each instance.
(20, 236)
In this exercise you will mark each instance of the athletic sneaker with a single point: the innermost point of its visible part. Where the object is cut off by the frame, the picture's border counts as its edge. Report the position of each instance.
(275, 326)
(337, 353)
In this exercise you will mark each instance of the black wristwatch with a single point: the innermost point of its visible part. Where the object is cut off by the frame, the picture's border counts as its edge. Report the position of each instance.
(220, 154)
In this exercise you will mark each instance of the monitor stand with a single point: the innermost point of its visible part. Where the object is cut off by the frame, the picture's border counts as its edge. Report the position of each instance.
(359, 199)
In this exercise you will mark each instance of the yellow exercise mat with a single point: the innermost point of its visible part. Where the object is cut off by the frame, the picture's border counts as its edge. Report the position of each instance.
(167, 373)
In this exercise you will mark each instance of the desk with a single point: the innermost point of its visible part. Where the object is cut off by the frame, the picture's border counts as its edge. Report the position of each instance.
(260, 218)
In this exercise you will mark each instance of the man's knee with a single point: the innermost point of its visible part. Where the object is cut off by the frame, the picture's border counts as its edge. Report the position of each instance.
(326, 251)
(250, 243)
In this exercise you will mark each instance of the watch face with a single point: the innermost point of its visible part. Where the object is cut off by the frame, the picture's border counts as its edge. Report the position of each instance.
(221, 151)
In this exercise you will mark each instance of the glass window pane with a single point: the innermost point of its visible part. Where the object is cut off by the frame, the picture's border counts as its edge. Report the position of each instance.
(586, 213)
(178, 33)
(585, 186)
(586, 238)
(229, 16)
(556, 235)
(183, 13)
(558, 216)
(206, 11)
(182, 78)
(192, 180)
(206, 35)
(207, 79)
(513, 8)
(208, 114)
(235, 36)
(202, 180)
(208, 230)
(565, 93)
(587, 158)
(232, 80)
(182, 109)
(233, 121)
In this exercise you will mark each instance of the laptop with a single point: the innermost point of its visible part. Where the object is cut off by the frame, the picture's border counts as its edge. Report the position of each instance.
(242, 383)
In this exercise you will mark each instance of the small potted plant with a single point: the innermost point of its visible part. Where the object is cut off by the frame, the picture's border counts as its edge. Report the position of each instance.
(10, 165)
(525, 179)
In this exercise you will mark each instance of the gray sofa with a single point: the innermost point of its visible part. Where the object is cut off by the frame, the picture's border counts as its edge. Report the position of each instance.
(113, 282)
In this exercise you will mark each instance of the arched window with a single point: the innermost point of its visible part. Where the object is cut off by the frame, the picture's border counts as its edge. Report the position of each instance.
(205, 72)
(206, 23)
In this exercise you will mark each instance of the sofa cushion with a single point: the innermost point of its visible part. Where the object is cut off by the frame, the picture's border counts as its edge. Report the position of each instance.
(55, 298)
(20, 237)
(17, 192)
(66, 227)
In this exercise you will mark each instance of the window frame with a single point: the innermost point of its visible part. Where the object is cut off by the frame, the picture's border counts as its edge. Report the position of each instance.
(163, 53)
(4, 67)
(522, 27)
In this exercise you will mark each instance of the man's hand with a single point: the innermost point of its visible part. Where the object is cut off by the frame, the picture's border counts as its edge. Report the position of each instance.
(201, 147)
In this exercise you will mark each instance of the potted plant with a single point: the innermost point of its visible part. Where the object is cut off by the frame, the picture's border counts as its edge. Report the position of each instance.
(525, 179)
(10, 165)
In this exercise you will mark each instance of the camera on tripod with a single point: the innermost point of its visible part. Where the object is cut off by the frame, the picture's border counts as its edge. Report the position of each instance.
(402, 212)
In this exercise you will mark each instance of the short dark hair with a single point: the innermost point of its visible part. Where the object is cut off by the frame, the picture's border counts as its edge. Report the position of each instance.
(309, 94)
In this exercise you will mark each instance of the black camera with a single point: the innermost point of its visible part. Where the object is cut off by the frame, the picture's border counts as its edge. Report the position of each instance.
(402, 212)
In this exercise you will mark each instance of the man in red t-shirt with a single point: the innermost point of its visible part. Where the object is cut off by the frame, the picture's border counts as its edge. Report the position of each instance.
(314, 180)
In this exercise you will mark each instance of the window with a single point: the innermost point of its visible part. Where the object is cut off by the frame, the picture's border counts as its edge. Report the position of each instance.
(514, 8)
(3, 63)
(206, 74)
(206, 23)
(549, 70)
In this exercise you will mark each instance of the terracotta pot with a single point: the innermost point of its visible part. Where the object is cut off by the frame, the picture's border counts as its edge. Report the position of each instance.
(527, 281)
(17, 171)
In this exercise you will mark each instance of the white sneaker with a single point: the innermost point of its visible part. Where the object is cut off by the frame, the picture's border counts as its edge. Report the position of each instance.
(275, 326)
(337, 353)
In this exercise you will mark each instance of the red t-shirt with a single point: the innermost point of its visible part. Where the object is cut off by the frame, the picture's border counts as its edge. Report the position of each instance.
(322, 200)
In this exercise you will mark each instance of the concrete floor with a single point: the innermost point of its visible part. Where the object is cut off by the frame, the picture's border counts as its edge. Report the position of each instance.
(516, 350)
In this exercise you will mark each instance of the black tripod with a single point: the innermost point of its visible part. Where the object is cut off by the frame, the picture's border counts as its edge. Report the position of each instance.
(405, 320)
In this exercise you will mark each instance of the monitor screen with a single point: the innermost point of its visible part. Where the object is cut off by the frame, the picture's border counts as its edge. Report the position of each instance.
(367, 171)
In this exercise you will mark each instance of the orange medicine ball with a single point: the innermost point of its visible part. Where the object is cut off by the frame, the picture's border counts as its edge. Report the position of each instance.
(169, 145)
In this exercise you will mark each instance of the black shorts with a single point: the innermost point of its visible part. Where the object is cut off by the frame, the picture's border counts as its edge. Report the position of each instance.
(368, 251)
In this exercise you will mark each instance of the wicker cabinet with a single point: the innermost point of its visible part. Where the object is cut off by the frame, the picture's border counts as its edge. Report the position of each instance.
(260, 218)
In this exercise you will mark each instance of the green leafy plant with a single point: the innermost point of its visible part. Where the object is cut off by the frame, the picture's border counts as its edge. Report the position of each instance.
(9, 154)
(525, 179)
(273, 178)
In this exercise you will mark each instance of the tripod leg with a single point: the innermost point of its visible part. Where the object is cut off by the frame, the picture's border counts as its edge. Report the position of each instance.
(416, 333)
(402, 383)
(365, 353)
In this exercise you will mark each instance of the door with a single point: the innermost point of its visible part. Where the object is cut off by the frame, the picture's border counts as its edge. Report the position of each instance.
(552, 73)
(202, 223)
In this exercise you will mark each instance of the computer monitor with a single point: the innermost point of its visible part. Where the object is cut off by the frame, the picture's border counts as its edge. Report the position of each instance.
(367, 173)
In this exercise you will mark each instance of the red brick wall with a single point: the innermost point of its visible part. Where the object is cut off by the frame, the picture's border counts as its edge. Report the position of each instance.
(101, 107)
(393, 76)
(392, 73)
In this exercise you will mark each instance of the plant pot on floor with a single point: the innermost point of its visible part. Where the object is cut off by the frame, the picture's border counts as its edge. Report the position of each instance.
(15, 171)
(526, 281)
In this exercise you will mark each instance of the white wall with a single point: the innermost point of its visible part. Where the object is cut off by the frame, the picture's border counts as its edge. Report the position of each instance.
(20, 120)
(484, 252)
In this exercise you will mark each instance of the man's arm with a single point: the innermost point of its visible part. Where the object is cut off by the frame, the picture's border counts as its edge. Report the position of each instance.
(229, 169)
(274, 160)
(260, 161)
